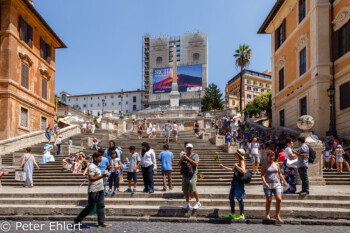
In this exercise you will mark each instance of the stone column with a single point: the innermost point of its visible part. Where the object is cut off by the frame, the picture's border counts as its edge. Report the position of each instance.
(315, 172)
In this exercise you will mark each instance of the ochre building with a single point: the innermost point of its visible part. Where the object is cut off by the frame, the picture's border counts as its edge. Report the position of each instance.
(27, 69)
(254, 83)
(310, 44)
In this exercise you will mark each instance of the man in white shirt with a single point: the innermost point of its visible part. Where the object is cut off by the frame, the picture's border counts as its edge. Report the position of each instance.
(254, 154)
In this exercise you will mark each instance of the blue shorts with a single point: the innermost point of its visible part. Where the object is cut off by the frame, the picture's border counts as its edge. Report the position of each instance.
(269, 192)
(132, 176)
(255, 158)
(48, 135)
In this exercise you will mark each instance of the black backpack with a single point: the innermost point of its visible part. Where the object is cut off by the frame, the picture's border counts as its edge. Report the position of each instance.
(186, 168)
(312, 155)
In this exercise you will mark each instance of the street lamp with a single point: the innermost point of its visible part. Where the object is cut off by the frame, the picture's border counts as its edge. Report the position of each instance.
(103, 104)
(200, 104)
(332, 131)
(121, 96)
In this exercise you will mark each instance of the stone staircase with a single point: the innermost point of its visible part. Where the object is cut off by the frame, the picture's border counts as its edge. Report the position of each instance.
(62, 198)
(53, 174)
(167, 206)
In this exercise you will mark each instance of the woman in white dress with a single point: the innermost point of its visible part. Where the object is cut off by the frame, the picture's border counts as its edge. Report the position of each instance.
(149, 130)
(47, 157)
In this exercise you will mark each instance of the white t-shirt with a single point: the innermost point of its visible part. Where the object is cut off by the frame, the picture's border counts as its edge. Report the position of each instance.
(288, 152)
(254, 147)
(115, 163)
(58, 141)
(84, 125)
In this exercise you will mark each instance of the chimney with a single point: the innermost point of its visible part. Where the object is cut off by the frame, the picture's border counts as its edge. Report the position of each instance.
(31, 2)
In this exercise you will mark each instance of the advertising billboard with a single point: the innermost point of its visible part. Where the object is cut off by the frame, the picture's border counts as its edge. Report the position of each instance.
(189, 78)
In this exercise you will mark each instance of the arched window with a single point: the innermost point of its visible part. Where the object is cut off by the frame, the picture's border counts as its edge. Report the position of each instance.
(64, 97)
(196, 57)
(159, 61)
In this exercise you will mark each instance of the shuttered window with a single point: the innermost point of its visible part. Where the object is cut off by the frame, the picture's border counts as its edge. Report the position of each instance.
(282, 118)
(281, 79)
(24, 76)
(25, 32)
(341, 41)
(302, 10)
(24, 117)
(303, 106)
(44, 89)
(302, 62)
(280, 35)
(45, 50)
(344, 91)
(43, 123)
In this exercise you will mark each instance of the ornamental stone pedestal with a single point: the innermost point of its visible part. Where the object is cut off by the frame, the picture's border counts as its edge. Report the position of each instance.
(315, 172)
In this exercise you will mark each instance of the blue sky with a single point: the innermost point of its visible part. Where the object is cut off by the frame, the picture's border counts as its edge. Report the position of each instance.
(104, 37)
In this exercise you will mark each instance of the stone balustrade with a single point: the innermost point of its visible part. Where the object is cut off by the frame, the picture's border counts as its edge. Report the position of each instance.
(14, 144)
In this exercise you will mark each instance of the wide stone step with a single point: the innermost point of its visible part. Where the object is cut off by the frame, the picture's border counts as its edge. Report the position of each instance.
(172, 211)
(116, 199)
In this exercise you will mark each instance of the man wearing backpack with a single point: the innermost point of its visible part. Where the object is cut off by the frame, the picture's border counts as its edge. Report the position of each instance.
(303, 164)
(189, 163)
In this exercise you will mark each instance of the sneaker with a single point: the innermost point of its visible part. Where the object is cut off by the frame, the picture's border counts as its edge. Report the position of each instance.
(304, 193)
(134, 190)
(115, 191)
(128, 190)
(104, 225)
(187, 206)
(76, 221)
(239, 217)
(151, 191)
(197, 206)
(109, 191)
(230, 215)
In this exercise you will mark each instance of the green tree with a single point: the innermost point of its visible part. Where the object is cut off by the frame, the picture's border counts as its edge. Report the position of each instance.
(212, 99)
(261, 103)
(242, 55)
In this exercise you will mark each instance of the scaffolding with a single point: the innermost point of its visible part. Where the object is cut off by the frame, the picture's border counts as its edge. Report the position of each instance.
(145, 68)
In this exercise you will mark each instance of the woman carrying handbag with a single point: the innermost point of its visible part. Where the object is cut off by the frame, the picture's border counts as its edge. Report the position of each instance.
(237, 187)
(288, 168)
(27, 165)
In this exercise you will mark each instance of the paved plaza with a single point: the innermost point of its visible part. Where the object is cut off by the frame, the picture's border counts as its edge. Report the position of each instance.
(153, 227)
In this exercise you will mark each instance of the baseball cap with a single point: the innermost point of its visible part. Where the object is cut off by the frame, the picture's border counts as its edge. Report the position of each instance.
(189, 145)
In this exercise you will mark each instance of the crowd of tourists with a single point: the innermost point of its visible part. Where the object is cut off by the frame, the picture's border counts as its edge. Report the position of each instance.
(105, 167)
(168, 128)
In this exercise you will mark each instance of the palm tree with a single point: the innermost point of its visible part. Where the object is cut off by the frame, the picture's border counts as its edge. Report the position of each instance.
(242, 56)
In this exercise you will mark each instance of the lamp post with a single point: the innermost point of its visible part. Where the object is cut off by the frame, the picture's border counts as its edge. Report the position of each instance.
(332, 131)
(200, 104)
(103, 104)
(121, 96)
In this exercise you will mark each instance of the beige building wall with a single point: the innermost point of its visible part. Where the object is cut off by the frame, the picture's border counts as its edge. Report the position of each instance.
(251, 80)
(314, 34)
